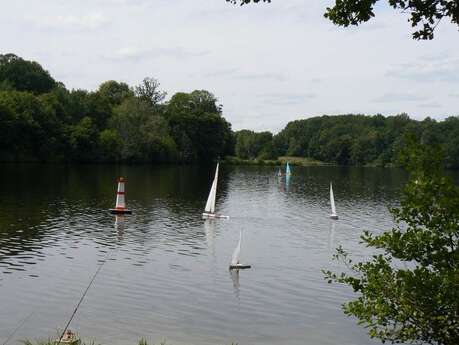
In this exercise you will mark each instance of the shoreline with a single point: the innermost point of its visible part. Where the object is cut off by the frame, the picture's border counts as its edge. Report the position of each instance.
(228, 160)
(295, 161)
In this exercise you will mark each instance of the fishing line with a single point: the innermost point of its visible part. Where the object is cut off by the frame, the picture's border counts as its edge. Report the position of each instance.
(17, 328)
(84, 294)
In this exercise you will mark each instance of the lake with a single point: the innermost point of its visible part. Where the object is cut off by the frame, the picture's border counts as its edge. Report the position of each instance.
(166, 272)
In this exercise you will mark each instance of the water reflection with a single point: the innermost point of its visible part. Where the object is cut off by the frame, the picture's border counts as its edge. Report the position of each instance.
(119, 226)
(234, 274)
(284, 183)
(209, 228)
(331, 238)
(287, 183)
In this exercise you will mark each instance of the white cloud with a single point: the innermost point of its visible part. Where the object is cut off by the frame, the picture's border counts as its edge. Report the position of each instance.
(286, 99)
(439, 69)
(221, 73)
(398, 97)
(83, 22)
(136, 53)
(431, 105)
(262, 76)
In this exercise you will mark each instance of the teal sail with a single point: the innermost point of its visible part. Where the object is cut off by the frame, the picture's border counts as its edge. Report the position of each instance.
(287, 170)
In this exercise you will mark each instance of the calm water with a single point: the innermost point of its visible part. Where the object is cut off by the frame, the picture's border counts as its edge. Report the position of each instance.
(166, 275)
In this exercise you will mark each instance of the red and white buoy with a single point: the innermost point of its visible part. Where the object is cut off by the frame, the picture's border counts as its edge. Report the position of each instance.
(120, 207)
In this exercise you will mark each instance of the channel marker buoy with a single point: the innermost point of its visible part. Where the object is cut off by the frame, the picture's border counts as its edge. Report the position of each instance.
(120, 207)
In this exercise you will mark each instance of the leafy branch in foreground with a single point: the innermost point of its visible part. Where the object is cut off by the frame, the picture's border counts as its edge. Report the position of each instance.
(424, 15)
(410, 291)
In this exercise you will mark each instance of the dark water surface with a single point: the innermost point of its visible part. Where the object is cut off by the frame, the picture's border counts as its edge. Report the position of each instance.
(166, 275)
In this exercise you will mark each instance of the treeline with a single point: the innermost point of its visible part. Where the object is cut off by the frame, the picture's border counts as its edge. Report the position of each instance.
(351, 139)
(41, 120)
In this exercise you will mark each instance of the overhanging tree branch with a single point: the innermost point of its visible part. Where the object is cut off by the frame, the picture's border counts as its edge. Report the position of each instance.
(424, 15)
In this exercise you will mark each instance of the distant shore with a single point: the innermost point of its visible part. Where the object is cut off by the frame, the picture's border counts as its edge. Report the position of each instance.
(296, 161)
(228, 160)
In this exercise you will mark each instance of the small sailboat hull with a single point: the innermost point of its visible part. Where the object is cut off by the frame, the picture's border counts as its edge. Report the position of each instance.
(334, 216)
(234, 264)
(207, 215)
(117, 211)
(239, 267)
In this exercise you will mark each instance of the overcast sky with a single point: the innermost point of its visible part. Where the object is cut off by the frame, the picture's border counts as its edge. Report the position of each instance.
(267, 64)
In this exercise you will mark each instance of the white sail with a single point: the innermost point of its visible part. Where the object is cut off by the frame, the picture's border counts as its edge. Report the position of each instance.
(332, 201)
(210, 205)
(237, 251)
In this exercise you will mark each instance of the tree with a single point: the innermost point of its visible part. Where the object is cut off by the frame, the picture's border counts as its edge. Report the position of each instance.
(196, 103)
(424, 15)
(144, 133)
(114, 91)
(409, 292)
(22, 75)
(198, 128)
(111, 145)
(149, 91)
(450, 130)
(82, 139)
(251, 145)
(30, 129)
(81, 103)
(8, 128)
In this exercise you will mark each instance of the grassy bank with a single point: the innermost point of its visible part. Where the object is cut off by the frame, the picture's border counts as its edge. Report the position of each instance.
(298, 161)
(302, 161)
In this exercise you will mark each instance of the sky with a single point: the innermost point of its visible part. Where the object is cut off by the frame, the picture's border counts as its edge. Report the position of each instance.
(267, 64)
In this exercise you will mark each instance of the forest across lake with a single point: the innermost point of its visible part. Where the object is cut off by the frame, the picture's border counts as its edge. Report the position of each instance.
(43, 121)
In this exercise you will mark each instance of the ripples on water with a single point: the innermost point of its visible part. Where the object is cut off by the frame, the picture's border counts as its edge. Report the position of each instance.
(166, 274)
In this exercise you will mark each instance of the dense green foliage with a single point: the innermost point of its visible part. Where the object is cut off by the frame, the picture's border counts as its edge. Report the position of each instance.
(351, 139)
(424, 15)
(251, 145)
(196, 126)
(40, 120)
(410, 291)
(22, 75)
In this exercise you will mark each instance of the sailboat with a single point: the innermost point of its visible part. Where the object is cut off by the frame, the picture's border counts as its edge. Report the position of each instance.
(209, 211)
(236, 254)
(279, 173)
(287, 170)
(333, 214)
